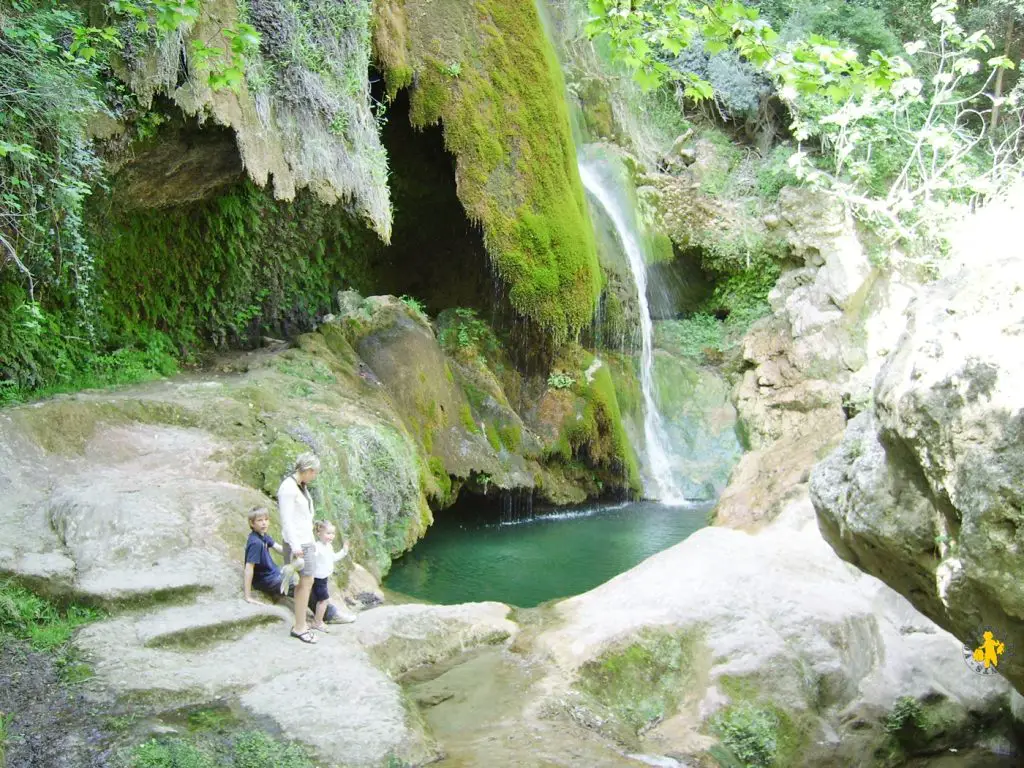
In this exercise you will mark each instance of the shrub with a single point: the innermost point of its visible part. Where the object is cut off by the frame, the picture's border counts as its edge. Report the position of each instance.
(905, 714)
(465, 335)
(692, 336)
(775, 173)
(749, 733)
(417, 306)
(560, 380)
(738, 87)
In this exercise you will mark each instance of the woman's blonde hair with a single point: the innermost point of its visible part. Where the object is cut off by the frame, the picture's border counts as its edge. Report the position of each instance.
(306, 461)
(320, 526)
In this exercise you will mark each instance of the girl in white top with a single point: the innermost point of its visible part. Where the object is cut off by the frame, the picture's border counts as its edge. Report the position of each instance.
(296, 507)
(326, 557)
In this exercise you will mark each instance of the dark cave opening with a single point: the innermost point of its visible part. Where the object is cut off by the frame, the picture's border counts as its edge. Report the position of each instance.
(436, 254)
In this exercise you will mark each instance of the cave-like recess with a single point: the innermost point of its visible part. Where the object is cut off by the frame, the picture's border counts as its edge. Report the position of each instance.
(188, 246)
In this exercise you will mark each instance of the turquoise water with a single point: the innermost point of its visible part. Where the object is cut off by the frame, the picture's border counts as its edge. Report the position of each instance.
(527, 562)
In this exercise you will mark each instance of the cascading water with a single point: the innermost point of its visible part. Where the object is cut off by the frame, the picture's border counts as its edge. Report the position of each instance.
(601, 178)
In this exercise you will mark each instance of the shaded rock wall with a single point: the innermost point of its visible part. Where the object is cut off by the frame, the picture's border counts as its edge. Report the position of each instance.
(301, 117)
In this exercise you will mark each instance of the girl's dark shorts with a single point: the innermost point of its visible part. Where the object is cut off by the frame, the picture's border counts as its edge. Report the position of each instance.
(320, 591)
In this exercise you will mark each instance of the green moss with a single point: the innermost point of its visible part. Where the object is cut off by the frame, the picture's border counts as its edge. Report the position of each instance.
(756, 731)
(226, 270)
(627, 383)
(643, 682)
(505, 120)
(467, 420)
(661, 250)
(428, 99)
(593, 433)
(211, 719)
(444, 481)
(492, 436)
(268, 465)
(204, 637)
(511, 436)
(916, 725)
(606, 412)
(66, 427)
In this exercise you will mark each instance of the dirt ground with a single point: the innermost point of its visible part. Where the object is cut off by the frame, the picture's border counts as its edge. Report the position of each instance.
(52, 725)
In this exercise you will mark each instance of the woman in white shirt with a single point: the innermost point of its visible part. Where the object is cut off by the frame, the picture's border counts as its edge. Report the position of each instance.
(296, 506)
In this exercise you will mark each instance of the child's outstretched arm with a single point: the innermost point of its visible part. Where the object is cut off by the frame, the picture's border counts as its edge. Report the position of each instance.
(341, 552)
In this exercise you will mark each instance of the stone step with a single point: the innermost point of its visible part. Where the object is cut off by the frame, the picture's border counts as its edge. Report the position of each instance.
(204, 623)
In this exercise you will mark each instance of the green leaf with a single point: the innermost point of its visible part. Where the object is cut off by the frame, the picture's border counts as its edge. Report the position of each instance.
(647, 79)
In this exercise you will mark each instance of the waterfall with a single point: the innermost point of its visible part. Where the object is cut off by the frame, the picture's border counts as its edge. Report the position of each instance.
(601, 179)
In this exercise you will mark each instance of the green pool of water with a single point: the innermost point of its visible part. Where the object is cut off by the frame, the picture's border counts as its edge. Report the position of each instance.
(527, 562)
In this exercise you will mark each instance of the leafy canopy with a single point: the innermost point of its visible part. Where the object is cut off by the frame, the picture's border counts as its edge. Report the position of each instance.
(901, 143)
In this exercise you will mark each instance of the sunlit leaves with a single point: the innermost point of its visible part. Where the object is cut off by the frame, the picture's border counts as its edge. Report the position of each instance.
(225, 66)
(893, 140)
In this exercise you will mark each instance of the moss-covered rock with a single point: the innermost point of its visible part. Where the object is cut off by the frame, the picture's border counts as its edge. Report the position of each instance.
(486, 71)
(302, 114)
(583, 426)
(630, 687)
(454, 406)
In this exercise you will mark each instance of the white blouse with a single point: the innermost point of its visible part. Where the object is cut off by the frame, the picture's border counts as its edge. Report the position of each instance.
(296, 514)
(326, 558)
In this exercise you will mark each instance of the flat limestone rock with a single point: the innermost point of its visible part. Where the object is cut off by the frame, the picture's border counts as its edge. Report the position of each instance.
(407, 636)
(350, 712)
(782, 612)
(131, 539)
(337, 696)
(30, 549)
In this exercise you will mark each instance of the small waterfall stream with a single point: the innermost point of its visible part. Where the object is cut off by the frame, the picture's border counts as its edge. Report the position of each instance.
(603, 181)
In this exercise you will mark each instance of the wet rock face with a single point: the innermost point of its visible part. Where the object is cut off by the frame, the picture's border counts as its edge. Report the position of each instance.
(927, 493)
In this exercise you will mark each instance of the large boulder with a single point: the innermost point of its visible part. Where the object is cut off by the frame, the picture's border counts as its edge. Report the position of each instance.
(769, 639)
(928, 492)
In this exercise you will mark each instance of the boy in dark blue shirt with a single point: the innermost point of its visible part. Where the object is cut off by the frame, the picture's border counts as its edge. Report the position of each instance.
(261, 572)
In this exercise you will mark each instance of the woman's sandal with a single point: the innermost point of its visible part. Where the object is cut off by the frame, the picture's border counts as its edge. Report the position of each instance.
(306, 637)
(321, 627)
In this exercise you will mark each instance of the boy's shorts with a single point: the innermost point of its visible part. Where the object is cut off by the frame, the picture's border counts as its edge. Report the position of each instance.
(320, 591)
(272, 587)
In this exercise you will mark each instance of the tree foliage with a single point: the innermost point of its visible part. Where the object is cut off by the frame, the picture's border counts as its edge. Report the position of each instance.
(56, 78)
(899, 136)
